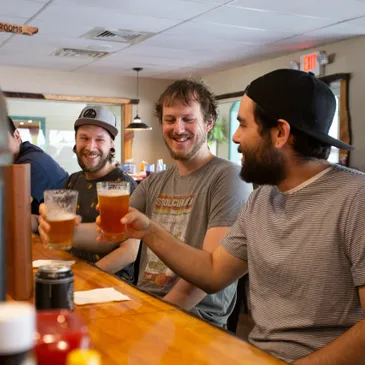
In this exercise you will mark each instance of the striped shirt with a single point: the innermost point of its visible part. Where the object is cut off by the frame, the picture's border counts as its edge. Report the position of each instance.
(306, 256)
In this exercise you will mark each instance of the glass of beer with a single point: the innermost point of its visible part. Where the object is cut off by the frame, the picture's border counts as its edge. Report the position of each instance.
(61, 214)
(113, 200)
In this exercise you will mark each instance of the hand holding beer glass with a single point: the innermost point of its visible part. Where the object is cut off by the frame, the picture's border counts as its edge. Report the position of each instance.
(113, 200)
(61, 215)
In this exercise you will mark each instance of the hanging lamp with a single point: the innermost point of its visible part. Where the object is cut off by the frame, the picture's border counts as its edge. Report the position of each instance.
(137, 124)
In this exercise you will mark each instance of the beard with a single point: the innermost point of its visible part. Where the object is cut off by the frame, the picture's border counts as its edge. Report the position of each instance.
(263, 165)
(185, 156)
(104, 159)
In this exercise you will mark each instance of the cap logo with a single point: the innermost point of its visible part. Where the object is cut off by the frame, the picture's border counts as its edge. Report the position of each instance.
(90, 113)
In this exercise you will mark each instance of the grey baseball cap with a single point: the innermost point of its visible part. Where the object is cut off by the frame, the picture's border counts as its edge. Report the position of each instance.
(99, 116)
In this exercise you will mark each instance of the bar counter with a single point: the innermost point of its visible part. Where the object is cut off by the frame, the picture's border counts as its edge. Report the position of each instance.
(146, 330)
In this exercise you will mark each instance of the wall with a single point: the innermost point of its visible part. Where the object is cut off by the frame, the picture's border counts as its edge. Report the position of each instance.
(349, 57)
(147, 145)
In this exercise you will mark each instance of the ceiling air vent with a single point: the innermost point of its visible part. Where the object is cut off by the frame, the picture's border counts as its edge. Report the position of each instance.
(117, 35)
(79, 53)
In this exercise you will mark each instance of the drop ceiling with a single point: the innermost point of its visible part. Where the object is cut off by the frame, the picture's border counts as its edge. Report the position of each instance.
(184, 37)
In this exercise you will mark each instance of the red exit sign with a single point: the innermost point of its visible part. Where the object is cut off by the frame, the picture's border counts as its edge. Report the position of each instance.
(309, 63)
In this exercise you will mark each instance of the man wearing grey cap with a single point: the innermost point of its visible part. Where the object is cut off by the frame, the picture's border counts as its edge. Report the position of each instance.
(95, 131)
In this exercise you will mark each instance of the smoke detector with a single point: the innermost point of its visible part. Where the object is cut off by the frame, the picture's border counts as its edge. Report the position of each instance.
(117, 35)
(79, 53)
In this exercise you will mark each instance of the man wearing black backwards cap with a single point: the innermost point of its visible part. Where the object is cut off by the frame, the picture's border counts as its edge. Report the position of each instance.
(301, 232)
(95, 132)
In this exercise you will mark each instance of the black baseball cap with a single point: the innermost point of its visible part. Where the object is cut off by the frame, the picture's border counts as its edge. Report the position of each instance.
(301, 99)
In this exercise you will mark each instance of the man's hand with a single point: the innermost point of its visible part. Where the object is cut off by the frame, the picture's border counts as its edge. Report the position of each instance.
(44, 227)
(137, 224)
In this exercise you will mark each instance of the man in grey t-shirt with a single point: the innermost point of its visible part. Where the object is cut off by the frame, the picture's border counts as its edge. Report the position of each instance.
(197, 200)
(301, 232)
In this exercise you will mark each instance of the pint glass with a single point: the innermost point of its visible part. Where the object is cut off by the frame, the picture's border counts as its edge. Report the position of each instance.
(113, 200)
(61, 213)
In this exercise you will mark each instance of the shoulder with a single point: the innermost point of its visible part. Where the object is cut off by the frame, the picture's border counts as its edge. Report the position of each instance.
(349, 180)
(160, 177)
(261, 196)
(35, 155)
(342, 172)
(221, 169)
(225, 172)
(223, 164)
(73, 178)
(120, 175)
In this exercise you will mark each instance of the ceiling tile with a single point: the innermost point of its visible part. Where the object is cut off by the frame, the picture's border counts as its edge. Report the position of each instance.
(58, 63)
(4, 37)
(263, 20)
(330, 9)
(210, 45)
(13, 19)
(19, 8)
(356, 22)
(181, 73)
(50, 42)
(61, 14)
(125, 69)
(227, 32)
(220, 2)
(54, 28)
(316, 38)
(144, 50)
(173, 9)
(195, 37)
(121, 58)
(321, 36)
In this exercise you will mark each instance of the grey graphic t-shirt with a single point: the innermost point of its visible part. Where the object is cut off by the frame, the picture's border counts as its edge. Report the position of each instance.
(187, 206)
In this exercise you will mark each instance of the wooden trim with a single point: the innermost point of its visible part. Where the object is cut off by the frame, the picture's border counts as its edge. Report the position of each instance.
(236, 94)
(71, 98)
(21, 95)
(345, 121)
(87, 99)
(335, 77)
(128, 135)
(344, 112)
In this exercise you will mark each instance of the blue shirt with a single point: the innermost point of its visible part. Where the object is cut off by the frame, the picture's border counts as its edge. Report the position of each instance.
(45, 172)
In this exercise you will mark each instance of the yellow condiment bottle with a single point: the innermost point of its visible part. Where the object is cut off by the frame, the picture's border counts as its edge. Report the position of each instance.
(83, 357)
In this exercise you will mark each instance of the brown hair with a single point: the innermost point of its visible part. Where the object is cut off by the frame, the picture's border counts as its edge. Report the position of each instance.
(188, 91)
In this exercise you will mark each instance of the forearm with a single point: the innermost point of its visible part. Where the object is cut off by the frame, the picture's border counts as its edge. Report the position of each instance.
(184, 295)
(85, 239)
(348, 349)
(191, 264)
(121, 257)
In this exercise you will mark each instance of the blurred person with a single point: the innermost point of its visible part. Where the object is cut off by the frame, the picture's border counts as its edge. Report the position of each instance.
(45, 172)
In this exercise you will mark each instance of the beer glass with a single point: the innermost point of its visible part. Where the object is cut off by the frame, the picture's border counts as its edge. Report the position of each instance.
(61, 214)
(113, 200)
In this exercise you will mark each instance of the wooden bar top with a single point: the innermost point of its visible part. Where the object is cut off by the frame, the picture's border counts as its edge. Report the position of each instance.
(148, 331)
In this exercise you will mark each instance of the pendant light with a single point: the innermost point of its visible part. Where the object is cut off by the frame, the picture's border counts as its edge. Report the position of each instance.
(137, 124)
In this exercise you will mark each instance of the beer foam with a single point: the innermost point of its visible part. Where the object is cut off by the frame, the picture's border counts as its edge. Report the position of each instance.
(60, 216)
(113, 193)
